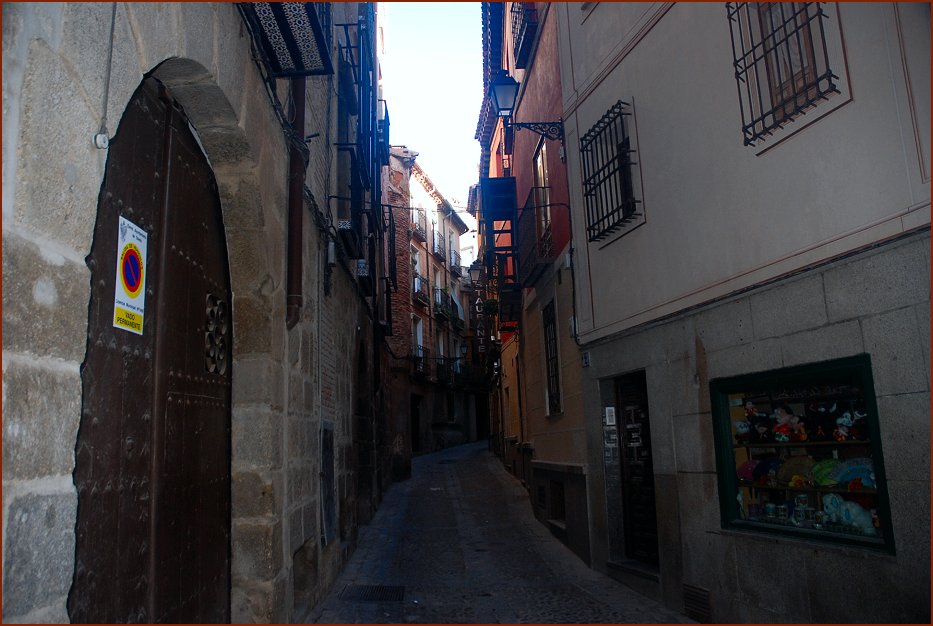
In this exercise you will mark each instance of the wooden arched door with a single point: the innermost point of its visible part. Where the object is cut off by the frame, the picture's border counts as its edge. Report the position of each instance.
(153, 451)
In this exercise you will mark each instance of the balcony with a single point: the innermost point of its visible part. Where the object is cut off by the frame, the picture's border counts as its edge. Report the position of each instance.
(442, 370)
(455, 320)
(290, 24)
(535, 243)
(382, 132)
(455, 268)
(419, 358)
(471, 376)
(419, 227)
(350, 237)
(419, 291)
(442, 305)
(364, 276)
(510, 306)
(524, 27)
(439, 250)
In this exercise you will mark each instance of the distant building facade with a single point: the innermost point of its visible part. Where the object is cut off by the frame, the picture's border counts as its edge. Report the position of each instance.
(543, 431)
(434, 403)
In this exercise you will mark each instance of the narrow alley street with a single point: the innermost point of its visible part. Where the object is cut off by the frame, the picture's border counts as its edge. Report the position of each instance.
(457, 543)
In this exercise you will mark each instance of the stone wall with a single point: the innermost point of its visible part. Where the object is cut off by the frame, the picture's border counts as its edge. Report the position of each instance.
(284, 382)
(875, 302)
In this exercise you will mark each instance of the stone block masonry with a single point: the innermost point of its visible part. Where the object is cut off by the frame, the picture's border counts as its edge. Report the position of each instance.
(875, 301)
(284, 383)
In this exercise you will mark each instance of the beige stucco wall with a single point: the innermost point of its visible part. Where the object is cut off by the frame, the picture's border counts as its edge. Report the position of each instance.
(558, 438)
(811, 245)
(854, 170)
(284, 383)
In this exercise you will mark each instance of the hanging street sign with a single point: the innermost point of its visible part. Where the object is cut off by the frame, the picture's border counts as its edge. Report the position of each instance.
(129, 297)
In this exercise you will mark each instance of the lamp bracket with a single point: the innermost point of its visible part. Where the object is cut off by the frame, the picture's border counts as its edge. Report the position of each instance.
(550, 130)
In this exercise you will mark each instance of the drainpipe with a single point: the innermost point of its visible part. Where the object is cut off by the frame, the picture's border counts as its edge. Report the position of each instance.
(296, 181)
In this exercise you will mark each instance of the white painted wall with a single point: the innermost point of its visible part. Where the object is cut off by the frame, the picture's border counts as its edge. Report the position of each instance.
(721, 216)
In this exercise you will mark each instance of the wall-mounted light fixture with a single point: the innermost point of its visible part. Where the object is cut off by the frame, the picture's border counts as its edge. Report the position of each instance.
(503, 91)
(476, 272)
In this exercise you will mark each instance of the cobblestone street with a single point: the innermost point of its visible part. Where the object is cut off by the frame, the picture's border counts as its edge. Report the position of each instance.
(458, 543)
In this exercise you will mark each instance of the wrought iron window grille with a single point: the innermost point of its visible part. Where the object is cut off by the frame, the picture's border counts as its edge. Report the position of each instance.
(781, 63)
(608, 181)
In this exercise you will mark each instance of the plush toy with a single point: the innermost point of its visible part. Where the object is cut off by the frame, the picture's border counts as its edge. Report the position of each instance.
(839, 511)
(798, 481)
(765, 472)
(746, 472)
(788, 427)
(762, 426)
(822, 418)
(743, 431)
(847, 427)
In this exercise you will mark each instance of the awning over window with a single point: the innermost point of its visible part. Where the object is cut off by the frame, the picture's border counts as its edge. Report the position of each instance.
(290, 37)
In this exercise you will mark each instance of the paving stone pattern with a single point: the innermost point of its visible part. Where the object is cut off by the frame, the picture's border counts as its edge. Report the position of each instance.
(461, 539)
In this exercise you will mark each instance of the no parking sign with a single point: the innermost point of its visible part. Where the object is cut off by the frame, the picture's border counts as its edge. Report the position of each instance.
(129, 298)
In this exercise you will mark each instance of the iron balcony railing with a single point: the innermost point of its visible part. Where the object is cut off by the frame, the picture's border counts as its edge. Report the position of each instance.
(456, 320)
(440, 251)
(419, 290)
(471, 375)
(442, 305)
(442, 370)
(524, 26)
(535, 240)
(419, 357)
(419, 226)
(455, 262)
(382, 132)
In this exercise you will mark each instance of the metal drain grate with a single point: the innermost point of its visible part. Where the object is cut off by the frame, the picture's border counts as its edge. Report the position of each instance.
(373, 593)
(697, 604)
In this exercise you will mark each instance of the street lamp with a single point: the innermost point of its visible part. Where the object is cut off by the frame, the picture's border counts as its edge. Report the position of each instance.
(476, 271)
(503, 91)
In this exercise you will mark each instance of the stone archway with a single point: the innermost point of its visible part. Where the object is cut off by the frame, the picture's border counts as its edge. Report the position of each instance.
(256, 274)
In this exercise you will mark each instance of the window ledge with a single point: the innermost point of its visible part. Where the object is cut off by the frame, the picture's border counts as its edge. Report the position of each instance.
(564, 468)
(864, 552)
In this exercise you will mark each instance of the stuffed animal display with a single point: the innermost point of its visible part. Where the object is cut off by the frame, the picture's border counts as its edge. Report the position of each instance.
(839, 511)
(839, 421)
(788, 426)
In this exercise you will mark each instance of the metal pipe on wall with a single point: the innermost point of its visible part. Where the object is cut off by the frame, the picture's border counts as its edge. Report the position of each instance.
(296, 179)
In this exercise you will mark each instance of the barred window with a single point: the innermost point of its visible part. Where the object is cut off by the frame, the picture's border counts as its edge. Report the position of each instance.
(608, 182)
(550, 354)
(781, 62)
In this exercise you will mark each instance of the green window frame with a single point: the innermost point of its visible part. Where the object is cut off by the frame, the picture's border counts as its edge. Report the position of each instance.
(798, 453)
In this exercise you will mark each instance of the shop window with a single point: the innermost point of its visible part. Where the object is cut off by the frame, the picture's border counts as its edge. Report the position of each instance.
(781, 62)
(609, 181)
(799, 453)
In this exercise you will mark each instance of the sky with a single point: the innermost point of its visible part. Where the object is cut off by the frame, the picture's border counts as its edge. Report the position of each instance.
(433, 85)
